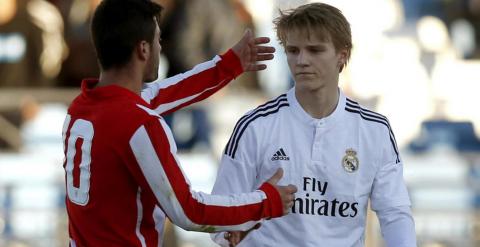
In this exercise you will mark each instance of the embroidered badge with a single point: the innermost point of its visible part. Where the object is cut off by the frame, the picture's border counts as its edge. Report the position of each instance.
(350, 161)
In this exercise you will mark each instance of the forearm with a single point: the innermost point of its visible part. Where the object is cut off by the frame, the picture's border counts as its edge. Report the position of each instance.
(194, 85)
(236, 212)
(398, 227)
(158, 171)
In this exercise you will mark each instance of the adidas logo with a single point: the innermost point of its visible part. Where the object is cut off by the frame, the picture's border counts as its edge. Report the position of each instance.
(280, 155)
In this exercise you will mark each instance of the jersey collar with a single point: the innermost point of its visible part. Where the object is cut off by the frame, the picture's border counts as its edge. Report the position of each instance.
(108, 92)
(304, 117)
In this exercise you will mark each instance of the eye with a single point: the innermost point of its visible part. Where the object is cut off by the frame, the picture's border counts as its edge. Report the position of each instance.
(292, 50)
(316, 50)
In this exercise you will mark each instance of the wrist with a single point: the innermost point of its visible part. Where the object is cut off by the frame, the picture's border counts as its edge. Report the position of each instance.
(274, 207)
(234, 63)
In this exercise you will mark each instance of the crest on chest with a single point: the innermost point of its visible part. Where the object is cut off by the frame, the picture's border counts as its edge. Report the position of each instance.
(350, 161)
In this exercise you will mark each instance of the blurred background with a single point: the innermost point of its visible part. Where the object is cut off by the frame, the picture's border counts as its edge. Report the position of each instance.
(415, 61)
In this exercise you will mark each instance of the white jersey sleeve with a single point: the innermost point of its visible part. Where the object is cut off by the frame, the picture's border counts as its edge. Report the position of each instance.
(389, 189)
(398, 227)
(390, 198)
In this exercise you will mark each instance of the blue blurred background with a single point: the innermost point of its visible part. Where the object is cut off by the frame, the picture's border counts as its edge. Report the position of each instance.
(415, 61)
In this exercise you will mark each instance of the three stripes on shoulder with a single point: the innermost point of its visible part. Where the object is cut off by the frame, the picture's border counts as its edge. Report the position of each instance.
(271, 107)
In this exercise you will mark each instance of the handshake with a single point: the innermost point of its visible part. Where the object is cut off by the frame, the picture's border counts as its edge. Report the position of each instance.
(287, 195)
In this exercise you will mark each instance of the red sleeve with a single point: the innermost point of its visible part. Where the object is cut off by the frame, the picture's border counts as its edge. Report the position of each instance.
(155, 153)
(192, 86)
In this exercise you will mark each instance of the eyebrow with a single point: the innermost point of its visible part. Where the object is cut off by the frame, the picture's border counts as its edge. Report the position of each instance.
(308, 46)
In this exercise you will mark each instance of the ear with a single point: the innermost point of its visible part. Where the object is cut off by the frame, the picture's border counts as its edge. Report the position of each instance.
(143, 50)
(342, 59)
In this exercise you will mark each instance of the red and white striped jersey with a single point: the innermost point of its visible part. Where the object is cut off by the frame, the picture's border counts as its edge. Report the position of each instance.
(122, 172)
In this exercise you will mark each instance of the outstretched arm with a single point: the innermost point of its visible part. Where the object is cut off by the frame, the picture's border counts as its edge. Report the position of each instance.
(207, 78)
(159, 173)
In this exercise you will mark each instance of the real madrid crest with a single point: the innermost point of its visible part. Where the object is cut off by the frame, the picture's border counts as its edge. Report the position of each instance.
(350, 161)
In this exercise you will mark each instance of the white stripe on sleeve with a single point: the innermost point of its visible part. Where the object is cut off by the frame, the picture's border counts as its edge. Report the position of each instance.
(168, 106)
(153, 172)
(214, 200)
(151, 90)
(139, 218)
(157, 179)
(159, 219)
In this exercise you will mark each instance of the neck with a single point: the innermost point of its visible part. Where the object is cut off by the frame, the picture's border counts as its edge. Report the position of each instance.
(318, 103)
(123, 77)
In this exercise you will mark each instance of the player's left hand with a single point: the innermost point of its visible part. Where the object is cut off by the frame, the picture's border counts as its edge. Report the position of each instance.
(251, 50)
(235, 237)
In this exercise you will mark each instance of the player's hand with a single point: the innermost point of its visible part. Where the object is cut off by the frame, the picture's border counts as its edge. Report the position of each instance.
(250, 50)
(287, 193)
(235, 237)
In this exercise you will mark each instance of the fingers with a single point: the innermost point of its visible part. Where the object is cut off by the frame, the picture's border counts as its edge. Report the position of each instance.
(264, 49)
(276, 177)
(234, 237)
(291, 188)
(287, 193)
(255, 67)
(264, 57)
(258, 54)
(288, 206)
(261, 40)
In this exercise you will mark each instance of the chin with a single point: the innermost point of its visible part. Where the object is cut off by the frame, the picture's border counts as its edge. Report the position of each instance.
(151, 78)
(308, 85)
(148, 80)
(305, 82)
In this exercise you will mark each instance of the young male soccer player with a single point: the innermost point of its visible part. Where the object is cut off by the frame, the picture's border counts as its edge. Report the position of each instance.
(121, 169)
(338, 153)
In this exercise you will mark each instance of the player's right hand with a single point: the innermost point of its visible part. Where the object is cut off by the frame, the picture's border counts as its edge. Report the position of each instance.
(287, 193)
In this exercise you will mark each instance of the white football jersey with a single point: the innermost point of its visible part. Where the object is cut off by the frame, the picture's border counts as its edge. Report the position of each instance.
(337, 163)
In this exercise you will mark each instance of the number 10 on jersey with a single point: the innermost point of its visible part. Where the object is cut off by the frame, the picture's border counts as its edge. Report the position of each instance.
(78, 150)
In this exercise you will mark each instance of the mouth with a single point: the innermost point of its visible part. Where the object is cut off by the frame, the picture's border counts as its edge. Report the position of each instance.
(304, 73)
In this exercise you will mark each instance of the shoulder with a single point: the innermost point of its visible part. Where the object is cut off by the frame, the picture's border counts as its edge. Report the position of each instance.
(131, 114)
(256, 121)
(264, 114)
(367, 117)
(374, 124)
(143, 115)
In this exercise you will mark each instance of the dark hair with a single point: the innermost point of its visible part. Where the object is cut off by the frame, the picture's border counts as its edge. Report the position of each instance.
(118, 25)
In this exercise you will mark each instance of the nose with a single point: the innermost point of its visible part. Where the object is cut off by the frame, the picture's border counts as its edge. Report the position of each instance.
(302, 58)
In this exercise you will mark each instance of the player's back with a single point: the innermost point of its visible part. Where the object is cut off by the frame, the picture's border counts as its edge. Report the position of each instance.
(105, 203)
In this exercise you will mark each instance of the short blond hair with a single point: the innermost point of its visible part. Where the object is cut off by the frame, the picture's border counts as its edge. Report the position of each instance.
(323, 20)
